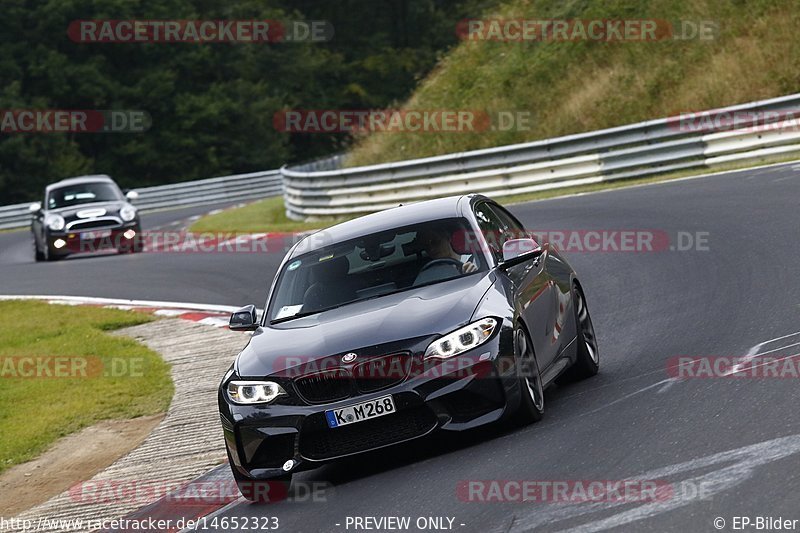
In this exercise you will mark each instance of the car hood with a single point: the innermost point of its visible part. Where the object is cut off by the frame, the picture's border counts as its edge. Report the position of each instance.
(387, 320)
(71, 212)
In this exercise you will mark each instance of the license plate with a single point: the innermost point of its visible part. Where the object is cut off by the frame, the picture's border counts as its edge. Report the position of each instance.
(359, 412)
(92, 235)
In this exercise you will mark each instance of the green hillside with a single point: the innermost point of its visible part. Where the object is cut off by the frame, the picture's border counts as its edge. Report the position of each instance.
(575, 86)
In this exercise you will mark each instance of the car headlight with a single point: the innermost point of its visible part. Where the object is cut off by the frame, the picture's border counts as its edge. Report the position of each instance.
(250, 392)
(462, 339)
(54, 222)
(127, 213)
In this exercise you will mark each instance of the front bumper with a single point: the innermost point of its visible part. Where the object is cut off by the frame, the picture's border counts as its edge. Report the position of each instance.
(466, 391)
(92, 240)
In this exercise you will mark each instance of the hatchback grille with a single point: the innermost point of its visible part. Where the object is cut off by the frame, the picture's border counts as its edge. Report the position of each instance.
(328, 386)
(367, 435)
(93, 224)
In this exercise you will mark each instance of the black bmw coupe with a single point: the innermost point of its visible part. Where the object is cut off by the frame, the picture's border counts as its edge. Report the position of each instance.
(440, 315)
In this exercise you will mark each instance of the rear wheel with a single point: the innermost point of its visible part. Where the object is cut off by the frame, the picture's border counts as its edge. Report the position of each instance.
(531, 405)
(587, 363)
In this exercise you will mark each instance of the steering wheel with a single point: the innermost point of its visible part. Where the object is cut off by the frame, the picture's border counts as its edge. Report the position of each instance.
(446, 261)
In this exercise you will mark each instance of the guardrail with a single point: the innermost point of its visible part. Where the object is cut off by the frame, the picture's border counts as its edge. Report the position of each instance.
(324, 188)
(189, 193)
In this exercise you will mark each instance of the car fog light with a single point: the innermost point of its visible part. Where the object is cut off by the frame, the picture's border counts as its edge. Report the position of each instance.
(130, 234)
(59, 243)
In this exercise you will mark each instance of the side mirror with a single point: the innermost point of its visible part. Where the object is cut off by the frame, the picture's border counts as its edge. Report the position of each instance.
(245, 319)
(35, 207)
(519, 250)
(132, 195)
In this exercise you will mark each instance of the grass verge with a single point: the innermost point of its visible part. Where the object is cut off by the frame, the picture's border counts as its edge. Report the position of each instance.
(97, 376)
(565, 87)
(269, 216)
(263, 216)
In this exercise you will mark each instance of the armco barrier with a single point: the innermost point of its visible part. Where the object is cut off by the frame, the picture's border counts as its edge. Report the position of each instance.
(209, 191)
(324, 188)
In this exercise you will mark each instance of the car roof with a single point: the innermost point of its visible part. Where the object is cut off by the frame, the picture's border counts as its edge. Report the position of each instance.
(96, 178)
(388, 219)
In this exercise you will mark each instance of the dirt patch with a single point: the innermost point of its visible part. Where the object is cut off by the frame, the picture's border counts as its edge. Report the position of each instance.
(70, 460)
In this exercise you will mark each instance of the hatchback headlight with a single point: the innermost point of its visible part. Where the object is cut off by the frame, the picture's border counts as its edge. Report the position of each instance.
(54, 222)
(251, 392)
(127, 213)
(462, 339)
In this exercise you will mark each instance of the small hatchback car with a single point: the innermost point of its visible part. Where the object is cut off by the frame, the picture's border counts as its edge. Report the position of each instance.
(440, 315)
(84, 214)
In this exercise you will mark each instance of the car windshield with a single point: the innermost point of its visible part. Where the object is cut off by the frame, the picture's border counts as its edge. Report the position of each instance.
(375, 265)
(82, 193)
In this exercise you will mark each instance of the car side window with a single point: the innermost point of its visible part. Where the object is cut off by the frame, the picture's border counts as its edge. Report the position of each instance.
(493, 229)
(514, 229)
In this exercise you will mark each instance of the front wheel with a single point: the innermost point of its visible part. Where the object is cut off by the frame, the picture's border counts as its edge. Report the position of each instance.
(531, 405)
(37, 254)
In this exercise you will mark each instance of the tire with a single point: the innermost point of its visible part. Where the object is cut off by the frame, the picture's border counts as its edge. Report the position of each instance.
(262, 490)
(37, 254)
(587, 363)
(531, 404)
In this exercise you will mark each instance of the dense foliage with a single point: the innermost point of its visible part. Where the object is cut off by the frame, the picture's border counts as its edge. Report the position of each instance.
(211, 105)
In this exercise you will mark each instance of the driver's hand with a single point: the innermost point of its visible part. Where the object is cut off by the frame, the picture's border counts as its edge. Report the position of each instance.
(468, 267)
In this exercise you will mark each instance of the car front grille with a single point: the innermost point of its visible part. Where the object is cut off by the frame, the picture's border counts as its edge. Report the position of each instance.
(372, 375)
(328, 386)
(381, 372)
(327, 443)
(95, 223)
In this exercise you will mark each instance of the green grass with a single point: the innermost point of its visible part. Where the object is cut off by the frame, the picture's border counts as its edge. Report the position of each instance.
(572, 87)
(263, 216)
(268, 215)
(35, 412)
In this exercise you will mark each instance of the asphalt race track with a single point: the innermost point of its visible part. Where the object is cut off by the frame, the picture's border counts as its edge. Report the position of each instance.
(726, 446)
(223, 278)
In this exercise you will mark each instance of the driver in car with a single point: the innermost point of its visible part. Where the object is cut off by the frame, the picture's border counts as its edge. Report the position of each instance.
(436, 242)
